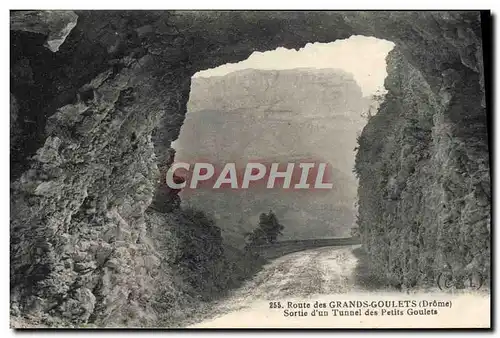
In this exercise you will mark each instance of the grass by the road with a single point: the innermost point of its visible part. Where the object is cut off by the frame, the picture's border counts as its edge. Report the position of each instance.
(365, 276)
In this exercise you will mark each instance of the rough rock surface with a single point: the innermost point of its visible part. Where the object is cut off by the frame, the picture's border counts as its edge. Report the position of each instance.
(85, 165)
(424, 193)
(55, 24)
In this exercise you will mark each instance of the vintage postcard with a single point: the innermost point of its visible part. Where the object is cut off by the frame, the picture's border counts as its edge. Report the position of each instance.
(250, 169)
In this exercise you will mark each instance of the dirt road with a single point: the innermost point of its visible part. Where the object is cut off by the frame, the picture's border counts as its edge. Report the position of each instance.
(301, 275)
(278, 297)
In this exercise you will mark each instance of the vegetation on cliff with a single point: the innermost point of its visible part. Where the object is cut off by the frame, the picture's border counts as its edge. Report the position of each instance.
(92, 124)
(423, 191)
(196, 265)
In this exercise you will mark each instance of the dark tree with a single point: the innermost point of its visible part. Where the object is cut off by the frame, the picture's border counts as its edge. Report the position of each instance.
(268, 230)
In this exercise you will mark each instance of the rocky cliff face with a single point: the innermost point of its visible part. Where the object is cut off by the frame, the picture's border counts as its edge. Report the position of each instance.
(93, 122)
(284, 116)
(84, 172)
(424, 193)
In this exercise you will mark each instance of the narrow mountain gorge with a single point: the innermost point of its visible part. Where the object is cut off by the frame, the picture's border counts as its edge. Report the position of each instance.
(97, 97)
(284, 116)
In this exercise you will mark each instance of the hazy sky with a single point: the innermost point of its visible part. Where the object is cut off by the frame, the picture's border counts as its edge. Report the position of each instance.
(362, 56)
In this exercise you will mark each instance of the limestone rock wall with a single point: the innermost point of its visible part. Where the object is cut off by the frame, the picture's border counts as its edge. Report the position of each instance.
(93, 118)
(424, 192)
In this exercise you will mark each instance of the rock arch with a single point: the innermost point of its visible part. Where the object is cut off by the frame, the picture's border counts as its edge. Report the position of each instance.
(81, 249)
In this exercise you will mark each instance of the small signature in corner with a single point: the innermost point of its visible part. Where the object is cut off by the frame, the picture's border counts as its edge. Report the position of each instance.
(471, 280)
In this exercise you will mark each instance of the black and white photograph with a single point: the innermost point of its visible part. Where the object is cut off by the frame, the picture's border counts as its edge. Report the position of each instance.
(245, 169)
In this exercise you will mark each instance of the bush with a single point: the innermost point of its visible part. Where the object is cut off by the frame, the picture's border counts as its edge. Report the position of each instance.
(206, 265)
(268, 231)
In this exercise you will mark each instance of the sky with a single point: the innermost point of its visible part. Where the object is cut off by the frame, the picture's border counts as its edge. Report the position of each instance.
(362, 56)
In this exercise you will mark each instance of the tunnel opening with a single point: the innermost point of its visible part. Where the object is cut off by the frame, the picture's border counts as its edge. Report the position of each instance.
(424, 189)
(283, 106)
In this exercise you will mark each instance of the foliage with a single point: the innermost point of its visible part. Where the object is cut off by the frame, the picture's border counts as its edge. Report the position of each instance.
(355, 232)
(423, 191)
(268, 230)
(197, 264)
(375, 101)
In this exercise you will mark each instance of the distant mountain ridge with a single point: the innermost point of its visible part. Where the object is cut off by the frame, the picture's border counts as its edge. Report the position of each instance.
(268, 89)
(276, 116)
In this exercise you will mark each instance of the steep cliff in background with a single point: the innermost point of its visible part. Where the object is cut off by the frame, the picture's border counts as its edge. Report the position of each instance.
(423, 194)
(93, 123)
(276, 116)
